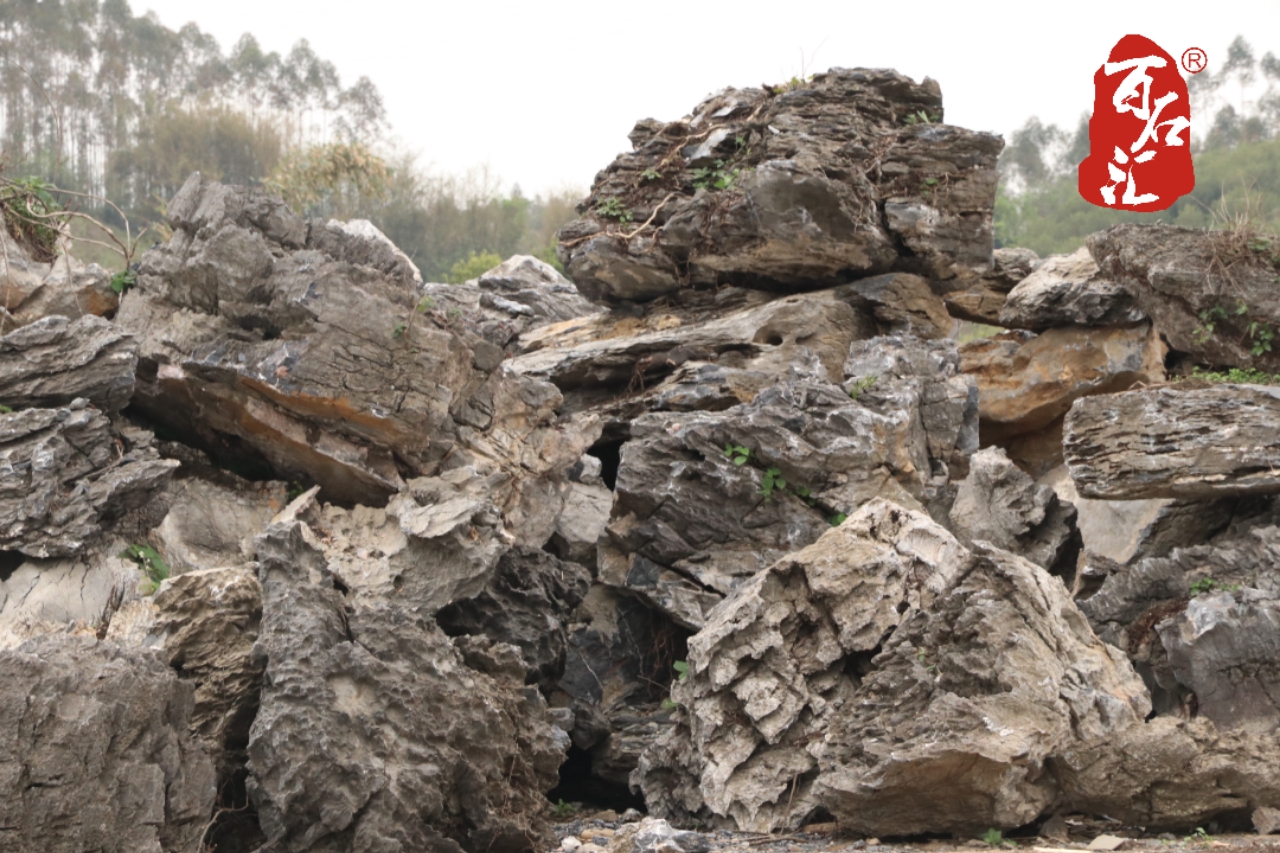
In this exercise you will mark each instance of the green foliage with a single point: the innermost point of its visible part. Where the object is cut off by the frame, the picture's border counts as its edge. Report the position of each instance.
(151, 563)
(650, 175)
(474, 266)
(335, 179)
(1236, 376)
(425, 304)
(862, 385)
(837, 519)
(993, 838)
(737, 453)
(773, 480)
(398, 330)
(122, 281)
(613, 208)
(564, 810)
(682, 670)
(1210, 585)
(30, 214)
(1199, 836)
(1261, 334)
(921, 117)
(5, 410)
(717, 177)
(797, 82)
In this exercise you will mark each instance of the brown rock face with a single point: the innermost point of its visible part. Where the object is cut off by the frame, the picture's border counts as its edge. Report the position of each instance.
(1173, 443)
(790, 189)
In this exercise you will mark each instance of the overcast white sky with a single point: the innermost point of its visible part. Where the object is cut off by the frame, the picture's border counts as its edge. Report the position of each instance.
(545, 92)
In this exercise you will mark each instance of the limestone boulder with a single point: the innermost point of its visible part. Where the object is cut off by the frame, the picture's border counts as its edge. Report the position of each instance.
(1175, 442)
(884, 660)
(52, 361)
(1068, 290)
(789, 189)
(96, 751)
(373, 733)
(63, 472)
(305, 348)
(1202, 289)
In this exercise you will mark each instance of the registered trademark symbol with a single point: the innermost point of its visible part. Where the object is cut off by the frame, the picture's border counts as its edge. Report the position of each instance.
(1194, 60)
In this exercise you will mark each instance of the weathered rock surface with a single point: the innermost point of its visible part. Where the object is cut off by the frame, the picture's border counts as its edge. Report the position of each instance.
(1067, 290)
(1027, 381)
(528, 601)
(373, 734)
(40, 596)
(53, 361)
(517, 296)
(1185, 279)
(61, 471)
(884, 660)
(267, 339)
(1000, 504)
(1175, 442)
(690, 523)
(789, 189)
(982, 300)
(31, 290)
(212, 524)
(96, 752)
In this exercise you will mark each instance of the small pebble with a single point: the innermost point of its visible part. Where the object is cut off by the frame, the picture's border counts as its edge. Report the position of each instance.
(570, 844)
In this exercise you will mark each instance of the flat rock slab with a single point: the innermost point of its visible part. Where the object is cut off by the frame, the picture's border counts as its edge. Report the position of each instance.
(1169, 442)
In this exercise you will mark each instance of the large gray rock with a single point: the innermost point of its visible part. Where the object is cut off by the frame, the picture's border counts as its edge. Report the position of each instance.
(96, 752)
(1202, 289)
(527, 603)
(62, 471)
(271, 341)
(373, 734)
(690, 522)
(54, 360)
(1067, 290)
(1000, 504)
(1175, 442)
(791, 189)
(875, 665)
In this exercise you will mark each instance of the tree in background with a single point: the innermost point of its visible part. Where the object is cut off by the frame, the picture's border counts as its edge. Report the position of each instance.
(1236, 156)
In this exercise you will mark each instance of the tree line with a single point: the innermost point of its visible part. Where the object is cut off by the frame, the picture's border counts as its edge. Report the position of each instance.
(1236, 156)
(96, 100)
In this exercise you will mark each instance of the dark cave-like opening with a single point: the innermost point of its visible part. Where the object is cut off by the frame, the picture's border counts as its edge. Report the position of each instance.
(610, 455)
(577, 785)
(9, 562)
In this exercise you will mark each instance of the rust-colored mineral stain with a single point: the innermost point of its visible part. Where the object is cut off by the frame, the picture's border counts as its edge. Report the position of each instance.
(328, 408)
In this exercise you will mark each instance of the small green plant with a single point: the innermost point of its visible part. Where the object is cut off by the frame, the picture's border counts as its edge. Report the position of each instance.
(838, 519)
(151, 563)
(5, 410)
(1237, 376)
(454, 313)
(399, 330)
(862, 385)
(1199, 836)
(1262, 335)
(716, 177)
(613, 208)
(682, 670)
(474, 266)
(773, 480)
(650, 175)
(31, 215)
(993, 838)
(921, 117)
(799, 82)
(425, 304)
(122, 281)
(737, 453)
(1211, 585)
(564, 810)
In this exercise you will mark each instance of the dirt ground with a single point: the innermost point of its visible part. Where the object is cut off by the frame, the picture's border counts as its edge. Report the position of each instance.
(596, 834)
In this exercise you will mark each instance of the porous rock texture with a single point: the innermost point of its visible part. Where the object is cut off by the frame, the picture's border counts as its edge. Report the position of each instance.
(790, 187)
(96, 751)
(1175, 442)
(884, 660)
(1201, 288)
(373, 734)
